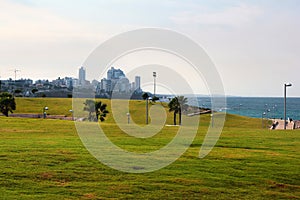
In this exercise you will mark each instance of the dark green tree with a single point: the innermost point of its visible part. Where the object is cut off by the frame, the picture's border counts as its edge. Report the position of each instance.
(177, 105)
(155, 98)
(183, 106)
(173, 107)
(101, 111)
(145, 95)
(7, 103)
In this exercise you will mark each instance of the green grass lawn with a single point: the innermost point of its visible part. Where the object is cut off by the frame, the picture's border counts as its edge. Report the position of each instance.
(45, 159)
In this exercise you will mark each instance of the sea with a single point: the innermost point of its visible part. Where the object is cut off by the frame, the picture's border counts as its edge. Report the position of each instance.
(258, 107)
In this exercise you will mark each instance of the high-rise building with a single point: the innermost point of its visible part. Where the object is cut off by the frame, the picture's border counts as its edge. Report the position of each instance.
(113, 73)
(138, 83)
(133, 86)
(81, 76)
(117, 83)
(122, 85)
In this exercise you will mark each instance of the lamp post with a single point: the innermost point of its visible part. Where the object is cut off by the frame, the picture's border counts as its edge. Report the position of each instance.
(154, 89)
(147, 109)
(44, 111)
(128, 117)
(262, 119)
(285, 86)
(71, 111)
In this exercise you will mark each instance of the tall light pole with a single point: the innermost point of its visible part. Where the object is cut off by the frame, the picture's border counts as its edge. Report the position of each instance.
(72, 113)
(128, 118)
(16, 70)
(147, 109)
(44, 112)
(262, 119)
(285, 86)
(154, 77)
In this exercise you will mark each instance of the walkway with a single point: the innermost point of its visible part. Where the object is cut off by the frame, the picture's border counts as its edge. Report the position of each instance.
(280, 126)
(23, 115)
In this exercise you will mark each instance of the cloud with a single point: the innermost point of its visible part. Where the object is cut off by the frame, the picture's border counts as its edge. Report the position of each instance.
(43, 43)
(19, 21)
(230, 16)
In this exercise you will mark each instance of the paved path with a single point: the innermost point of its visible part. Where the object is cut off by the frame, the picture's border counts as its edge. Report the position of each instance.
(25, 115)
(280, 126)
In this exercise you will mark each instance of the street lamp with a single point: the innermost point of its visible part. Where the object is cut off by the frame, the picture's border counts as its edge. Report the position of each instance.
(44, 111)
(154, 77)
(71, 111)
(285, 86)
(147, 109)
(262, 119)
(128, 117)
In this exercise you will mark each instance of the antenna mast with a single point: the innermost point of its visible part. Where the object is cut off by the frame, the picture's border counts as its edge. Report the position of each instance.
(16, 70)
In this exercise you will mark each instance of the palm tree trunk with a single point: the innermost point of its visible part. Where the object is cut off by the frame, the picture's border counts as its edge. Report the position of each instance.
(179, 117)
(174, 118)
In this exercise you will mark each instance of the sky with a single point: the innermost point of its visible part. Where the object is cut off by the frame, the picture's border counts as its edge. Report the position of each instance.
(254, 44)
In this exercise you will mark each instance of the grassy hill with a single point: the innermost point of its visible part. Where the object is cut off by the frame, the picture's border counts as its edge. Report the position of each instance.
(46, 159)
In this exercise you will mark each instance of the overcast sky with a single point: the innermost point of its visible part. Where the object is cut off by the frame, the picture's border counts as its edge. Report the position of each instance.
(254, 44)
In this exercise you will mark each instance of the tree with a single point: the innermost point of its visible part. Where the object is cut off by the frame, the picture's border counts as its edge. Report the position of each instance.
(177, 105)
(17, 91)
(101, 111)
(173, 107)
(145, 95)
(95, 107)
(34, 90)
(183, 106)
(154, 99)
(7, 103)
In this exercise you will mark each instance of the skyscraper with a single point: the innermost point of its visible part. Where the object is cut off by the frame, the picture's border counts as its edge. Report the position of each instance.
(81, 76)
(113, 73)
(138, 83)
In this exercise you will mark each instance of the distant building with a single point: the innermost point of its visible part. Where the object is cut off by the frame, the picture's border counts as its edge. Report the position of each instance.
(81, 76)
(113, 73)
(69, 82)
(133, 87)
(105, 85)
(137, 83)
(116, 83)
(122, 85)
(75, 82)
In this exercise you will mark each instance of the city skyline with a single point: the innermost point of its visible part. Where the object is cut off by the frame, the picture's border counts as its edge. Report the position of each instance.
(253, 44)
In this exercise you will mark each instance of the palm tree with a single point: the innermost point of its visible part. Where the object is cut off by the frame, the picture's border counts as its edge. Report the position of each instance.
(7, 103)
(182, 106)
(173, 107)
(95, 107)
(177, 105)
(145, 95)
(101, 110)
